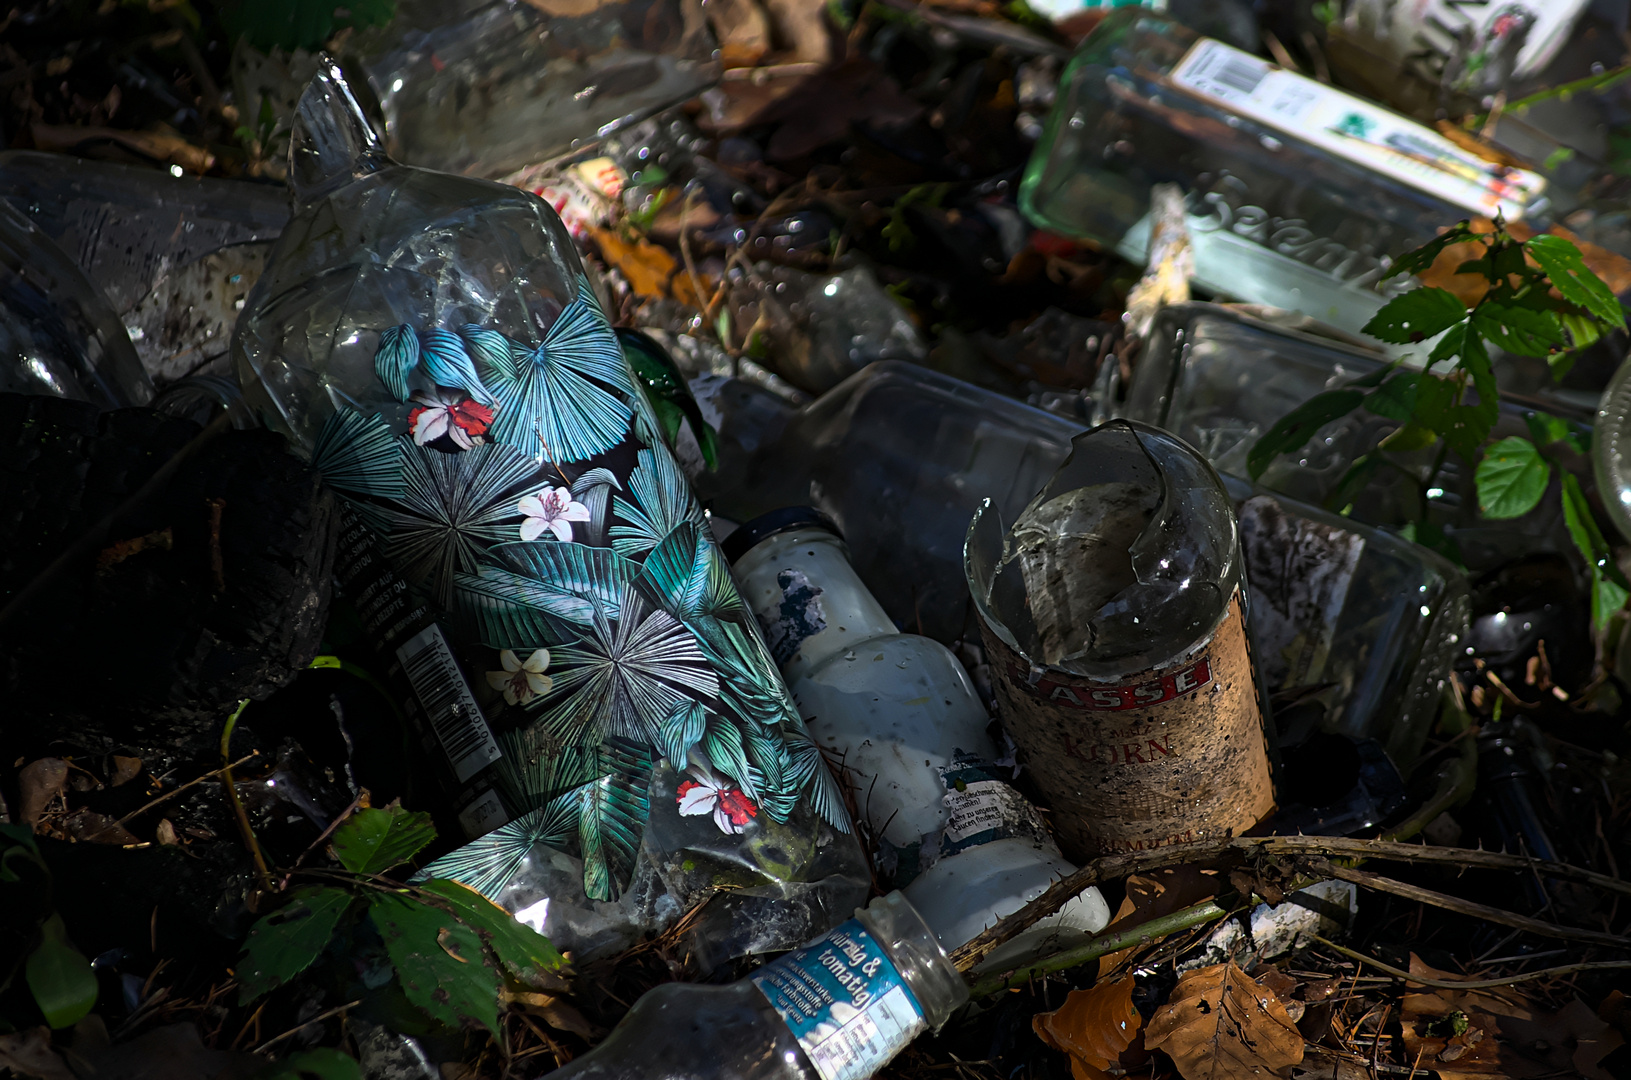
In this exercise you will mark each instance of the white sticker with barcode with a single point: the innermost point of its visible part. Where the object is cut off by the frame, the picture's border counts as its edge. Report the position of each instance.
(484, 814)
(1357, 130)
(449, 705)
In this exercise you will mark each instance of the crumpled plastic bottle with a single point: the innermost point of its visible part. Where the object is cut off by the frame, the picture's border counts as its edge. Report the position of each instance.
(58, 336)
(531, 562)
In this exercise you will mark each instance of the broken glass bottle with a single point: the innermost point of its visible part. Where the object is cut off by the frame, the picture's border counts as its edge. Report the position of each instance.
(953, 834)
(57, 334)
(1113, 614)
(837, 1009)
(536, 573)
(1298, 194)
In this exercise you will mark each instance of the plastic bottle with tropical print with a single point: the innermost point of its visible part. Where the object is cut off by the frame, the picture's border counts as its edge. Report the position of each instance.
(535, 572)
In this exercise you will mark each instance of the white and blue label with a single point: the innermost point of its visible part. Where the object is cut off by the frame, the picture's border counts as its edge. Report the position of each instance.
(844, 1001)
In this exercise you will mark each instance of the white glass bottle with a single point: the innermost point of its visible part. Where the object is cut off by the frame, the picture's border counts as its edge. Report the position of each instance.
(900, 712)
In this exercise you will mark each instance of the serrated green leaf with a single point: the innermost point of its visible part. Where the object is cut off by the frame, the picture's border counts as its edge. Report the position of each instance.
(63, 984)
(1583, 330)
(321, 1063)
(1416, 316)
(372, 841)
(1545, 428)
(1475, 359)
(1296, 427)
(526, 953)
(1421, 258)
(1570, 276)
(1456, 343)
(286, 942)
(1411, 436)
(441, 963)
(1511, 479)
(1608, 584)
(1464, 427)
(1396, 398)
(1519, 330)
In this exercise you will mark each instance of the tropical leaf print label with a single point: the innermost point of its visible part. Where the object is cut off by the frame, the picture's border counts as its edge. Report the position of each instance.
(593, 632)
(845, 1002)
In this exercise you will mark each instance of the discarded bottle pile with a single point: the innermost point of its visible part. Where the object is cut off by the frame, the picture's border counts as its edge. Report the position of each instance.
(774, 539)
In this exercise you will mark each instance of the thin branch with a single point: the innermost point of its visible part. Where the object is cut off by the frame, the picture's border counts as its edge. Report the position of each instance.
(1239, 848)
(173, 792)
(1472, 984)
(1468, 907)
(319, 1018)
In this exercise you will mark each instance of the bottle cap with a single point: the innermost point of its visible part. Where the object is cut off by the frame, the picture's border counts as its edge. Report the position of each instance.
(751, 533)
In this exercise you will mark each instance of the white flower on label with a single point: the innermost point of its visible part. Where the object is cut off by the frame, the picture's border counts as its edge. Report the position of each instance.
(521, 680)
(552, 509)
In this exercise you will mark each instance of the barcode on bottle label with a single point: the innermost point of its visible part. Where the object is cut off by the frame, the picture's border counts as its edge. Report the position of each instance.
(450, 707)
(1356, 130)
(844, 1001)
(484, 814)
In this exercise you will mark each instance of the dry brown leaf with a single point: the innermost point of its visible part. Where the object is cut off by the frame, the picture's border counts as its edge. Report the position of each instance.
(555, 1011)
(1614, 269)
(1220, 1025)
(646, 266)
(88, 825)
(1150, 896)
(29, 1053)
(125, 769)
(1093, 1026)
(38, 783)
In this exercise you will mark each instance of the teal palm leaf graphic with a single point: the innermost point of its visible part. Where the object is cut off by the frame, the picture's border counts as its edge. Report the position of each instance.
(547, 404)
(454, 507)
(612, 813)
(594, 490)
(490, 863)
(723, 743)
(681, 730)
(661, 503)
(448, 364)
(808, 776)
(688, 577)
(358, 455)
(395, 359)
(623, 677)
(532, 588)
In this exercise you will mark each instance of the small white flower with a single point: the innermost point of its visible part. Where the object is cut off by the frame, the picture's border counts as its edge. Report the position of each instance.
(521, 680)
(552, 509)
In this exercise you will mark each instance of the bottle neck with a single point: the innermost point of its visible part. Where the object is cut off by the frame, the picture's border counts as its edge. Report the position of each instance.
(808, 599)
(924, 966)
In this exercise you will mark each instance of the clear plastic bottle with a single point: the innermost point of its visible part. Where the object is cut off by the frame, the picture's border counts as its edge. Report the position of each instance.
(1298, 194)
(1114, 616)
(533, 570)
(962, 843)
(1611, 449)
(58, 336)
(838, 1009)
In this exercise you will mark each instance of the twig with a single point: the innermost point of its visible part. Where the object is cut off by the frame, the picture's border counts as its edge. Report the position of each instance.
(362, 793)
(172, 793)
(318, 1019)
(1142, 934)
(1472, 984)
(237, 804)
(1468, 907)
(218, 577)
(1239, 848)
(92, 537)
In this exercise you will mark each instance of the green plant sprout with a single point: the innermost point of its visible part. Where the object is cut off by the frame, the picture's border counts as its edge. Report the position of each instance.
(1542, 301)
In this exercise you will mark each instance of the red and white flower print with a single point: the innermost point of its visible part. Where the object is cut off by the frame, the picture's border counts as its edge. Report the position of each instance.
(708, 793)
(452, 415)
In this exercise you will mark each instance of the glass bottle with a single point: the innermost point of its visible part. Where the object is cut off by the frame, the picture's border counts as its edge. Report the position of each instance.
(1113, 614)
(535, 572)
(1611, 449)
(1298, 194)
(837, 1009)
(963, 845)
(57, 334)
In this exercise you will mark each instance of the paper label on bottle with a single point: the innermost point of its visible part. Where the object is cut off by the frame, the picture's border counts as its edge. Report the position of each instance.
(797, 616)
(1300, 572)
(1164, 756)
(844, 1001)
(985, 808)
(450, 707)
(1354, 129)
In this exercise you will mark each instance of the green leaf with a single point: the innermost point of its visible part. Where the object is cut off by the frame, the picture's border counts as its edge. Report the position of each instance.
(1475, 359)
(1416, 316)
(1421, 258)
(1583, 330)
(1576, 281)
(61, 978)
(1353, 481)
(1608, 584)
(1293, 430)
(372, 841)
(1519, 330)
(1464, 427)
(1456, 343)
(441, 963)
(1511, 478)
(286, 942)
(1396, 398)
(321, 1063)
(1546, 428)
(527, 954)
(1408, 438)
